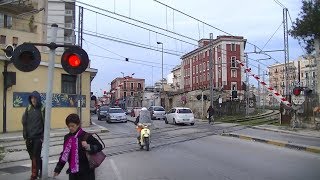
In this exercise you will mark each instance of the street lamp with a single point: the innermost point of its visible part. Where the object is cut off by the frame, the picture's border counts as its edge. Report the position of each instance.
(161, 70)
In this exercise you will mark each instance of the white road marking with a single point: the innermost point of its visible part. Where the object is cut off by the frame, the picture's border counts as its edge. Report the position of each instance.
(98, 125)
(115, 169)
(50, 162)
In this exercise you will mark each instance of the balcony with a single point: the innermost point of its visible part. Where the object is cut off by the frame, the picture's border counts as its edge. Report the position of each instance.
(17, 7)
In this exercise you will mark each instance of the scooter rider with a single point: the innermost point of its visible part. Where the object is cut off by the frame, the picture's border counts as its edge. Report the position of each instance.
(143, 118)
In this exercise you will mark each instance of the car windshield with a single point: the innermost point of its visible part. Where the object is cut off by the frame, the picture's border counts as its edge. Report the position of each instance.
(184, 111)
(159, 109)
(116, 111)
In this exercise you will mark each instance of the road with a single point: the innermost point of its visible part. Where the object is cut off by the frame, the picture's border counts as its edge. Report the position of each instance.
(190, 153)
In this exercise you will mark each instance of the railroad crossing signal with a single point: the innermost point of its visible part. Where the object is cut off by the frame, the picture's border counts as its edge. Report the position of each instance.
(26, 58)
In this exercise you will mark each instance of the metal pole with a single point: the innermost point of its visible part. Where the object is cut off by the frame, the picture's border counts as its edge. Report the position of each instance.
(248, 88)
(201, 103)
(161, 73)
(79, 78)
(259, 93)
(263, 91)
(46, 138)
(5, 76)
(286, 49)
(211, 70)
(317, 60)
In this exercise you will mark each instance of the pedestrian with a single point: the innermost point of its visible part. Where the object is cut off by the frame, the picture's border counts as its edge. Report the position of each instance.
(210, 112)
(75, 147)
(33, 128)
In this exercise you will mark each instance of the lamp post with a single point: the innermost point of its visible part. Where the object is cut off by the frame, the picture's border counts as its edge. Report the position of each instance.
(161, 71)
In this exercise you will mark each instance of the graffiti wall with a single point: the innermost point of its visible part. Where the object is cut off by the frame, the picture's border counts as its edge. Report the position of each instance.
(21, 99)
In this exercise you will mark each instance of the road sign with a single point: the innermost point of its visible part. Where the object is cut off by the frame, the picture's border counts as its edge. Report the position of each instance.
(298, 100)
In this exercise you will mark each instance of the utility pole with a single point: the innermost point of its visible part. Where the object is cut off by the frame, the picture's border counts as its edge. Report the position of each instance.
(263, 90)
(248, 88)
(286, 50)
(259, 93)
(317, 59)
(46, 138)
(79, 78)
(211, 69)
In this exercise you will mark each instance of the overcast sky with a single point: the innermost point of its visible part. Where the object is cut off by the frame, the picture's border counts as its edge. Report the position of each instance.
(255, 20)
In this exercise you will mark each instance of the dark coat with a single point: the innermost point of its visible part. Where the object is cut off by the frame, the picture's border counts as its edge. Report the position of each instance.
(210, 111)
(33, 119)
(84, 168)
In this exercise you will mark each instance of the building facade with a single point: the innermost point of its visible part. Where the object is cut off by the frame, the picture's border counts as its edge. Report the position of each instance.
(177, 79)
(25, 21)
(127, 91)
(308, 73)
(227, 73)
(277, 78)
(63, 14)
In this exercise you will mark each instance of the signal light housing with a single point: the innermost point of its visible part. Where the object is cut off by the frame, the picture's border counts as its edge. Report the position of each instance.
(8, 51)
(297, 91)
(74, 60)
(26, 57)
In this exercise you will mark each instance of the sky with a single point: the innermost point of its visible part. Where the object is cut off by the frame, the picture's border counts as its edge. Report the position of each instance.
(255, 20)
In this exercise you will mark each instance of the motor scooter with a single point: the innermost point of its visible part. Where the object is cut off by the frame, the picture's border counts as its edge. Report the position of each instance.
(144, 135)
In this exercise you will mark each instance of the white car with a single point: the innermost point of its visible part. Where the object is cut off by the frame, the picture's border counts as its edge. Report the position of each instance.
(179, 115)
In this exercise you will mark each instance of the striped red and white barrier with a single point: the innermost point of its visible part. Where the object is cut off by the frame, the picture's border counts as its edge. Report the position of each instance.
(275, 94)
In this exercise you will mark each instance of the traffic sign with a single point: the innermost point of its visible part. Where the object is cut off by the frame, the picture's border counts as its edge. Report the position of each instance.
(298, 100)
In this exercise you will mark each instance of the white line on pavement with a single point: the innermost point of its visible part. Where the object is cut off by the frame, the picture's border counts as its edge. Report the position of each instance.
(50, 162)
(115, 170)
(98, 125)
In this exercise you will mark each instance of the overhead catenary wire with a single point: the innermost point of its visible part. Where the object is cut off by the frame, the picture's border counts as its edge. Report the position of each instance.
(271, 37)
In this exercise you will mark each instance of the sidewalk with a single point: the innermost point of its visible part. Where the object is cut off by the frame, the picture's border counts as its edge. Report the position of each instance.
(300, 139)
(17, 136)
(288, 130)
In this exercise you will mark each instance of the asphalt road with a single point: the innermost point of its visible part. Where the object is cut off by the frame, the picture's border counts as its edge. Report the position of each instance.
(212, 157)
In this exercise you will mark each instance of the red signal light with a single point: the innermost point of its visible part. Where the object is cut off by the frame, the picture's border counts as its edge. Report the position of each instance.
(297, 91)
(74, 60)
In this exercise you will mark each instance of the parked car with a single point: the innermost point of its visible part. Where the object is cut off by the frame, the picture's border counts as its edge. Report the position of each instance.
(116, 115)
(180, 115)
(157, 112)
(102, 112)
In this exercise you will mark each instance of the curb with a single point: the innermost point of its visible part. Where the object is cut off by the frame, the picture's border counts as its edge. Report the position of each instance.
(312, 149)
(282, 131)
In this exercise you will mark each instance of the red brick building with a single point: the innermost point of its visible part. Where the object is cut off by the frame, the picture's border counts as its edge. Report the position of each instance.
(127, 88)
(227, 74)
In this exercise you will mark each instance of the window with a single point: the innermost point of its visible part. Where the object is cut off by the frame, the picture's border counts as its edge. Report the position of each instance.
(124, 94)
(15, 41)
(306, 75)
(139, 86)
(2, 39)
(200, 67)
(124, 85)
(193, 80)
(131, 85)
(301, 74)
(184, 111)
(197, 69)
(197, 79)
(131, 93)
(233, 61)
(313, 74)
(68, 84)
(193, 69)
(220, 73)
(200, 78)
(233, 73)
(219, 61)
(204, 66)
(208, 65)
(233, 47)
(5, 21)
